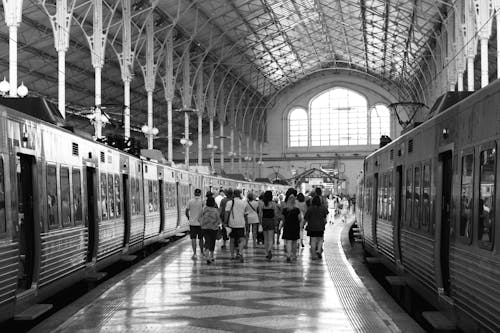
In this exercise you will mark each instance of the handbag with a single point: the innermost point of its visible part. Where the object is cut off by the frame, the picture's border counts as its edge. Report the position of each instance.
(219, 233)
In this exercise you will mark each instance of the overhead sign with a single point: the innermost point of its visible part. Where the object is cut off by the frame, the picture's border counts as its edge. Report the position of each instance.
(315, 181)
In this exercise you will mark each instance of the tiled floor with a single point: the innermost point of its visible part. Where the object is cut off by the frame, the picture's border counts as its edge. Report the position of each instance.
(173, 293)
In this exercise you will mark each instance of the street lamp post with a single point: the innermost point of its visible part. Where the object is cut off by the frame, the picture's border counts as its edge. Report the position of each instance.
(150, 133)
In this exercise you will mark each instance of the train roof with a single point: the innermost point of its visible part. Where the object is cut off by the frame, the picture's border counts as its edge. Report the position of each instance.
(441, 107)
(36, 107)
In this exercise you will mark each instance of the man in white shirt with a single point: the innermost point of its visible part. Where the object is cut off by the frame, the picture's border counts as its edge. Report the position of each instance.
(219, 198)
(193, 213)
(235, 219)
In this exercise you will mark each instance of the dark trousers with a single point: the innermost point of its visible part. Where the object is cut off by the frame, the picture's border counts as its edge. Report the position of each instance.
(210, 237)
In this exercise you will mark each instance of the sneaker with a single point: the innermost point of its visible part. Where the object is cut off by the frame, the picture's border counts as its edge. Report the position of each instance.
(319, 255)
(240, 258)
(270, 255)
(288, 259)
(302, 244)
(209, 261)
(193, 256)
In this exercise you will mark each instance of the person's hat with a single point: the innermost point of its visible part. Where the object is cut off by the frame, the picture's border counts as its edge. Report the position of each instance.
(197, 191)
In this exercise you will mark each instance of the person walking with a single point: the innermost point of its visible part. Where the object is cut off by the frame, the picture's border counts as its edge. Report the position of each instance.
(292, 218)
(210, 222)
(222, 210)
(219, 198)
(302, 206)
(331, 202)
(251, 218)
(235, 220)
(193, 213)
(268, 215)
(316, 219)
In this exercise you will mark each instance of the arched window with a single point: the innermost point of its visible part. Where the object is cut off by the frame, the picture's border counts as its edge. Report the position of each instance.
(380, 121)
(298, 128)
(339, 117)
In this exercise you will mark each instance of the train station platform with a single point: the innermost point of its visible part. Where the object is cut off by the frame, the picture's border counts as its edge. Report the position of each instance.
(170, 292)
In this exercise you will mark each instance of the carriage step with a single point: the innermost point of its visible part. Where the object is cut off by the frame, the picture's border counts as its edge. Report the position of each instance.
(396, 281)
(96, 276)
(33, 312)
(373, 260)
(127, 257)
(439, 321)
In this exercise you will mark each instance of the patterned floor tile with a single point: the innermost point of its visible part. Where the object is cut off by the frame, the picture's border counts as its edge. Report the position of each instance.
(242, 295)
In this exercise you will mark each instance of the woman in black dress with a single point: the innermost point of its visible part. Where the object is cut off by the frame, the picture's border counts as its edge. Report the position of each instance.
(292, 218)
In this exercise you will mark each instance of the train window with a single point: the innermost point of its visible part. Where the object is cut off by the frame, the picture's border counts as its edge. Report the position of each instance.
(386, 196)
(416, 197)
(52, 196)
(118, 198)
(380, 194)
(155, 196)
(486, 207)
(409, 195)
(150, 196)
(104, 201)
(133, 209)
(138, 196)
(3, 223)
(77, 196)
(466, 193)
(65, 197)
(111, 197)
(389, 196)
(426, 197)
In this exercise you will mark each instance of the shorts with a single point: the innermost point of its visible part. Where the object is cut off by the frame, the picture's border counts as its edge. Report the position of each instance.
(237, 233)
(267, 225)
(315, 233)
(195, 231)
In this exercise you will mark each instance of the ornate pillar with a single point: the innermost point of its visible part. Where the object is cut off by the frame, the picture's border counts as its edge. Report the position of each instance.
(484, 29)
(200, 105)
(61, 24)
(187, 93)
(221, 117)
(149, 79)
(13, 16)
(168, 86)
(459, 45)
(126, 62)
(470, 40)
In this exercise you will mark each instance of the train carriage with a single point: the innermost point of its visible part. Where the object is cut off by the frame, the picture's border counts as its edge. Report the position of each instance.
(433, 190)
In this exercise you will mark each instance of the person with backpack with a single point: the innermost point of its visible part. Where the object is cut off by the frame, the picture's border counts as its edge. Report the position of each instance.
(222, 211)
(268, 215)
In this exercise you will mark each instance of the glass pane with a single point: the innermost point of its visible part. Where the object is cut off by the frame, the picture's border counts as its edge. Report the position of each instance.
(155, 196)
(426, 204)
(150, 196)
(389, 197)
(133, 209)
(77, 196)
(111, 197)
(409, 197)
(486, 195)
(416, 198)
(298, 128)
(138, 196)
(466, 196)
(3, 223)
(104, 202)
(380, 122)
(118, 197)
(52, 196)
(65, 204)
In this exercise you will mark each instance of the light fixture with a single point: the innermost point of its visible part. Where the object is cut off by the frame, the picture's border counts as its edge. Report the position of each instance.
(446, 132)
(22, 90)
(149, 131)
(4, 86)
(247, 158)
(211, 146)
(93, 118)
(185, 141)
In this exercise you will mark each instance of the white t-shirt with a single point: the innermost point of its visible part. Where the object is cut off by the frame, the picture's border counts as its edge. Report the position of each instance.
(218, 200)
(237, 216)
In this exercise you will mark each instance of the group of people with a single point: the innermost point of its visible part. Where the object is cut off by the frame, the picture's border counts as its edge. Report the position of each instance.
(232, 217)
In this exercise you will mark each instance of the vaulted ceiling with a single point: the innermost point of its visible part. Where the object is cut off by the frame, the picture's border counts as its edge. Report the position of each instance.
(258, 46)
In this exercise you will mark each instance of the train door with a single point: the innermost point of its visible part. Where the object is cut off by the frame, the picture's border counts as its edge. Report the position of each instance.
(126, 209)
(398, 214)
(179, 201)
(25, 164)
(446, 171)
(91, 213)
(375, 209)
(162, 205)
